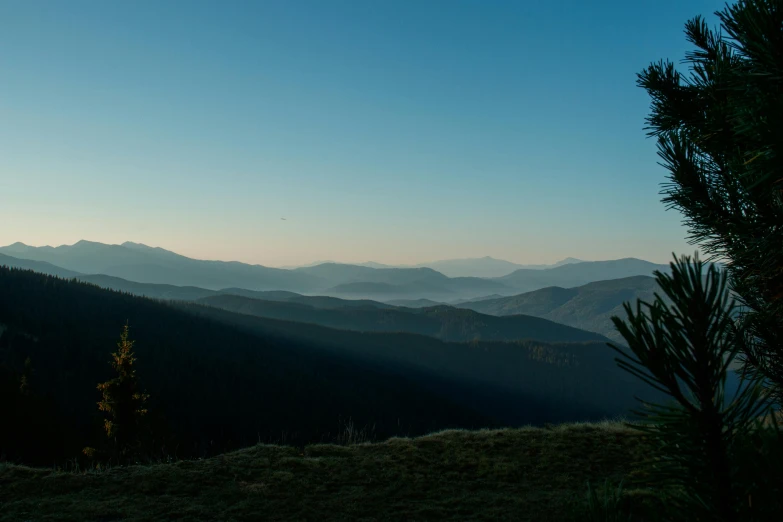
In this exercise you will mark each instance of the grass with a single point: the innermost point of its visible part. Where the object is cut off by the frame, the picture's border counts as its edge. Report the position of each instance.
(536, 474)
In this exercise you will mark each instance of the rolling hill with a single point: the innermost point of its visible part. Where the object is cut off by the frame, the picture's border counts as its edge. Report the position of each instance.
(589, 307)
(442, 322)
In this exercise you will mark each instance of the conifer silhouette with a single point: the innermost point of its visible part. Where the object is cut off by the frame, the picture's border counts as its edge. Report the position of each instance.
(122, 400)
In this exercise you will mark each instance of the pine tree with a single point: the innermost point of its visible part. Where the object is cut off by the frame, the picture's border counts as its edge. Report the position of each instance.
(720, 136)
(121, 399)
(26, 377)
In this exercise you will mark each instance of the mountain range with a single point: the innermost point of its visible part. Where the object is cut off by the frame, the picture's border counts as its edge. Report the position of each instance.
(143, 264)
(470, 267)
(136, 262)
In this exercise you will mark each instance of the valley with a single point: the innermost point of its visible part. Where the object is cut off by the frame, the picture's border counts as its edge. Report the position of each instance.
(481, 363)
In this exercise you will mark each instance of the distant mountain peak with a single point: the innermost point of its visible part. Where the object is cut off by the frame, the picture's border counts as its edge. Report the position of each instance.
(86, 242)
(138, 246)
(568, 261)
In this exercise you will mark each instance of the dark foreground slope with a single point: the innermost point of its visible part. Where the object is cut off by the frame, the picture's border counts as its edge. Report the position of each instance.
(443, 322)
(212, 386)
(522, 475)
(221, 380)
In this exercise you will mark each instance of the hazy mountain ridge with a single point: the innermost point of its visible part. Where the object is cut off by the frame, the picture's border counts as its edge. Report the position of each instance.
(37, 266)
(467, 267)
(487, 266)
(339, 274)
(413, 303)
(145, 264)
(578, 274)
(589, 307)
(135, 262)
(192, 293)
(437, 290)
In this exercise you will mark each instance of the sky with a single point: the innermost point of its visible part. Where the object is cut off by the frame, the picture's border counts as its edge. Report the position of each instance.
(398, 131)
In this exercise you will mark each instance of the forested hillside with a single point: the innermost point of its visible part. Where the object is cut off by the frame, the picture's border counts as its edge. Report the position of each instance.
(560, 382)
(212, 386)
(219, 380)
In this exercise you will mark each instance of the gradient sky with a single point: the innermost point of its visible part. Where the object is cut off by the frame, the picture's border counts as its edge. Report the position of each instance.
(395, 131)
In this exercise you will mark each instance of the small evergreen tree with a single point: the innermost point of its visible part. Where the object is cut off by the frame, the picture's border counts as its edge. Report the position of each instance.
(26, 377)
(707, 443)
(720, 135)
(122, 400)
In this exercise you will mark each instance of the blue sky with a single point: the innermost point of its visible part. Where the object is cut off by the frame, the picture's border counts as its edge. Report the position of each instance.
(398, 131)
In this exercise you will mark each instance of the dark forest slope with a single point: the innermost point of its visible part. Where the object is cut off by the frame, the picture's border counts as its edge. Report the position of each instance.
(220, 380)
(212, 386)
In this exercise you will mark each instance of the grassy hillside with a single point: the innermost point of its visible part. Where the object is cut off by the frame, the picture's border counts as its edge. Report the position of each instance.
(589, 307)
(442, 322)
(524, 474)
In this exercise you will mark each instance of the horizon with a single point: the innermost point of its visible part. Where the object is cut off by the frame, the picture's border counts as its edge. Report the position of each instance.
(284, 132)
(574, 259)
